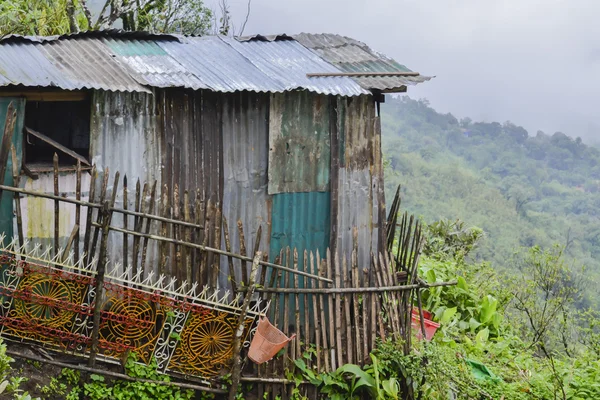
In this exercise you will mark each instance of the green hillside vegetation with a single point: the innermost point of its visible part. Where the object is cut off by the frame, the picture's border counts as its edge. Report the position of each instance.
(521, 190)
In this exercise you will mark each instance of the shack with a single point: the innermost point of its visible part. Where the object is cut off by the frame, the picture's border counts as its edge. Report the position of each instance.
(279, 132)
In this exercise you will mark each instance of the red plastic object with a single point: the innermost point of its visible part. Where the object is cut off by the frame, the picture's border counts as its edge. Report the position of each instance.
(267, 342)
(430, 326)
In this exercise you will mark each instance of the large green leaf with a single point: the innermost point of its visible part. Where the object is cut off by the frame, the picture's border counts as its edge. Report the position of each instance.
(488, 309)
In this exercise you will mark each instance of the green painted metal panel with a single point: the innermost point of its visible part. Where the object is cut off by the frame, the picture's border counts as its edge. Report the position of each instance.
(6, 203)
(299, 142)
(301, 221)
(136, 48)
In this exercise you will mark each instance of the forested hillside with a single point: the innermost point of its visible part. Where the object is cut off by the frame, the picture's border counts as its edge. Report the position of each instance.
(521, 189)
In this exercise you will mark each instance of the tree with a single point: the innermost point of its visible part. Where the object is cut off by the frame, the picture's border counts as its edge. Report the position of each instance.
(543, 294)
(56, 17)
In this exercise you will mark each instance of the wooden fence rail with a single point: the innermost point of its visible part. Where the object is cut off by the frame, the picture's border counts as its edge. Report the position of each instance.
(337, 309)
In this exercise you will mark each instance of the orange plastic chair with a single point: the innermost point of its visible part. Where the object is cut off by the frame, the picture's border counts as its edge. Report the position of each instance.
(267, 342)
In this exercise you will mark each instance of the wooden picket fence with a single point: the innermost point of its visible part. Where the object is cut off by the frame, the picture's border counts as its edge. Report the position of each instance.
(337, 309)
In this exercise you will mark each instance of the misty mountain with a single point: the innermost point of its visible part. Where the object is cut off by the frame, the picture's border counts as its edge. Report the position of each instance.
(521, 189)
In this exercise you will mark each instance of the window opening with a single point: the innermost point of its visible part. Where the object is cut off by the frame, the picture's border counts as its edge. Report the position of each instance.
(61, 127)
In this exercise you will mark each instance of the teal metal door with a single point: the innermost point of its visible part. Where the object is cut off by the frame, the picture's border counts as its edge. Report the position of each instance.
(6, 203)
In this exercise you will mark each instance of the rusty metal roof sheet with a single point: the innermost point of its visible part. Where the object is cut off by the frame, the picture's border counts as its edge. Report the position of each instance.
(125, 61)
(350, 55)
(149, 63)
(219, 66)
(66, 64)
(288, 62)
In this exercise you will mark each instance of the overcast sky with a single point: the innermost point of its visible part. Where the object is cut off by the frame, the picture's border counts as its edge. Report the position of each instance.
(533, 62)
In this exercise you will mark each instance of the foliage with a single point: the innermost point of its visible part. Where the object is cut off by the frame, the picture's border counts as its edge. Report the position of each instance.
(520, 190)
(97, 388)
(57, 17)
(38, 17)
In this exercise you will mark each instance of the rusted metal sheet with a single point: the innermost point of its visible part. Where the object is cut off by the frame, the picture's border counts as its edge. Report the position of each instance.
(299, 143)
(191, 152)
(288, 62)
(349, 55)
(245, 157)
(358, 201)
(357, 135)
(151, 65)
(64, 64)
(219, 66)
(124, 135)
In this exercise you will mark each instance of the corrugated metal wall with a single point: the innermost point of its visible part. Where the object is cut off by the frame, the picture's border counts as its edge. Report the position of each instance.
(299, 149)
(245, 156)
(357, 182)
(319, 155)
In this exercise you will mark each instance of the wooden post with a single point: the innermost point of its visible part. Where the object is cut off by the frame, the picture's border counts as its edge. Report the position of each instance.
(99, 285)
(56, 206)
(237, 341)
(17, 180)
(77, 210)
(90, 211)
(148, 222)
(125, 223)
(232, 278)
(9, 128)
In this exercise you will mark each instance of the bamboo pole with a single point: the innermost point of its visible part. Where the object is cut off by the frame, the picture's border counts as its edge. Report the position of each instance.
(56, 206)
(217, 244)
(345, 277)
(99, 289)
(358, 323)
(187, 256)
(125, 223)
(307, 335)
(164, 226)
(338, 310)
(77, 210)
(298, 328)
(204, 264)
(103, 190)
(150, 211)
(232, 278)
(322, 305)
(198, 215)
(96, 205)
(286, 304)
(237, 341)
(90, 211)
(92, 206)
(328, 265)
(243, 252)
(316, 314)
(17, 181)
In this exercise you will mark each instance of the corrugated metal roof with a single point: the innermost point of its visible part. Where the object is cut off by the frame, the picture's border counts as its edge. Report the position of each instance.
(350, 55)
(151, 65)
(288, 62)
(134, 61)
(65, 64)
(219, 66)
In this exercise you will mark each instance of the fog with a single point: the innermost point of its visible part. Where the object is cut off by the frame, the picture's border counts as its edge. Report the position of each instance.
(533, 62)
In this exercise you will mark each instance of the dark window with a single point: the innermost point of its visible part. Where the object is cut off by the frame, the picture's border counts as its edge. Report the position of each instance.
(65, 122)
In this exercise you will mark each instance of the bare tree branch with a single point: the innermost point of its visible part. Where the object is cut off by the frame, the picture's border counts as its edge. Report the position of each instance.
(246, 20)
(86, 12)
(70, 8)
